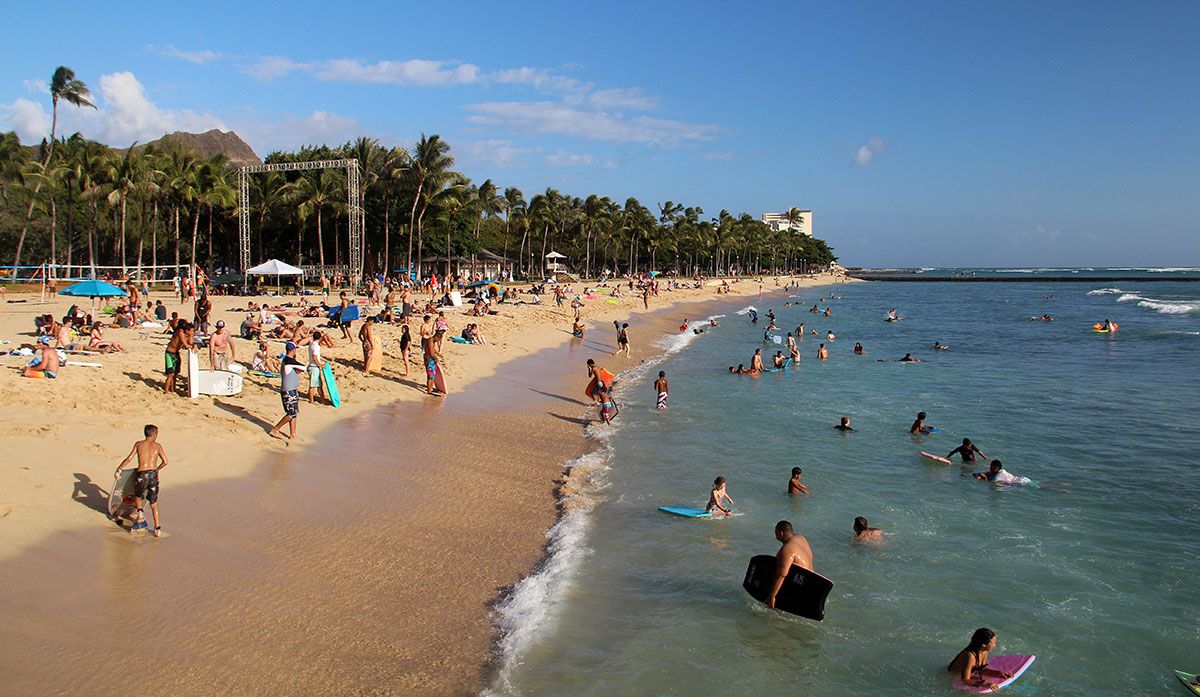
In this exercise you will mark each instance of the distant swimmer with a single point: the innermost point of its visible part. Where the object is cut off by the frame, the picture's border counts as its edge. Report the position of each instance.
(800, 332)
(814, 309)
(822, 352)
(825, 313)
(859, 350)
(771, 316)
(778, 359)
(919, 426)
(844, 425)
(756, 363)
(998, 475)
(661, 387)
(1043, 318)
(939, 346)
(794, 485)
(892, 315)
(830, 336)
(794, 550)
(908, 358)
(971, 664)
(771, 326)
(712, 323)
(967, 451)
(863, 531)
(717, 496)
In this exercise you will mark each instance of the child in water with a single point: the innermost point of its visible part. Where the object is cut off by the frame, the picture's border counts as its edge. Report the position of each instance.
(973, 661)
(863, 531)
(997, 475)
(716, 496)
(608, 405)
(794, 485)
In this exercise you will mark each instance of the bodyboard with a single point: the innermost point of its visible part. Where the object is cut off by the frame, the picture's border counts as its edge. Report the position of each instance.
(439, 380)
(935, 458)
(330, 383)
(1012, 663)
(1189, 681)
(375, 360)
(685, 511)
(193, 360)
(222, 383)
(803, 592)
(121, 500)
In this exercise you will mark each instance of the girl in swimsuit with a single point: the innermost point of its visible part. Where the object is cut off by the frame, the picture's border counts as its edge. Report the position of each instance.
(971, 664)
(716, 496)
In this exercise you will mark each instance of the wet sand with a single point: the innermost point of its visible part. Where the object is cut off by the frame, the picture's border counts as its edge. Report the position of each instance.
(366, 563)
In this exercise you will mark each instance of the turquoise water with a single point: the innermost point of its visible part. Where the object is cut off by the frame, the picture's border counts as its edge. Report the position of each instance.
(1095, 572)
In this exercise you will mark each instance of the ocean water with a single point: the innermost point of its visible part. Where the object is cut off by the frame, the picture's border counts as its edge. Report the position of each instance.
(1095, 571)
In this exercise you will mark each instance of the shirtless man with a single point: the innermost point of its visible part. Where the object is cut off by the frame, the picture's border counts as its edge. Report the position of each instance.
(220, 348)
(366, 336)
(181, 340)
(47, 365)
(795, 550)
(822, 353)
(792, 348)
(756, 363)
(149, 456)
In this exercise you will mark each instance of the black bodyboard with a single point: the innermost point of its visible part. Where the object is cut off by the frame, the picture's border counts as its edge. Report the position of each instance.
(803, 592)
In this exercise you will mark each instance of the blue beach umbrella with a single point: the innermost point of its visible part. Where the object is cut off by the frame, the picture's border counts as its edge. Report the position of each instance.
(92, 289)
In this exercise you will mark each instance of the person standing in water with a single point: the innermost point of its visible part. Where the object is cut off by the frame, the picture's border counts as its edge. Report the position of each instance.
(793, 550)
(151, 458)
(822, 353)
(718, 495)
(756, 363)
(971, 664)
(661, 387)
(844, 425)
(919, 426)
(967, 451)
(794, 485)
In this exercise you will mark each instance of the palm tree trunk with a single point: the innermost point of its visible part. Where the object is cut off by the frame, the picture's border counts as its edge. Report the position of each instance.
(545, 237)
(92, 238)
(210, 217)
(412, 219)
(176, 239)
(154, 243)
(195, 233)
(320, 242)
(53, 230)
(124, 269)
(387, 244)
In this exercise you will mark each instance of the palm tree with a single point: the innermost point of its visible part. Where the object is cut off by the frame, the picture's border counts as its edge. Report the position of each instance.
(316, 196)
(486, 204)
(122, 174)
(431, 163)
(513, 204)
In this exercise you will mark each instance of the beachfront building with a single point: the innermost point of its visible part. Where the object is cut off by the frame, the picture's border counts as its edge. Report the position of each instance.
(796, 219)
(485, 263)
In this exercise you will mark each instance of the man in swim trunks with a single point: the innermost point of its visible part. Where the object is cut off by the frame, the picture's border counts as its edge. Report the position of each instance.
(608, 405)
(967, 451)
(594, 371)
(660, 386)
(220, 348)
(756, 363)
(289, 385)
(181, 340)
(47, 364)
(844, 425)
(778, 359)
(794, 550)
(151, 458)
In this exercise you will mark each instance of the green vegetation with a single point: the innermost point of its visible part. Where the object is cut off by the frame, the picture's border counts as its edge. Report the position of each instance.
(74, 201)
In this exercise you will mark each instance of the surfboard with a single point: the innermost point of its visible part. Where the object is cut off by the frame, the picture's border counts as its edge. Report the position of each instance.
(121, 500)
(1012, 663)
(786, 363)
(803, 592)
(264, 374)
(931, 431)
(459, 340)
(221, 383)
(603, 374)
(936, 458)
(1189, 681)
(685, 511)
(375, 360)
(330, 383)
(193, 360)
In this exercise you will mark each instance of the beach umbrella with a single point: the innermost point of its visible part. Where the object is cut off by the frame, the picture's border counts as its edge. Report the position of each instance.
(275, 268)
(92, 289)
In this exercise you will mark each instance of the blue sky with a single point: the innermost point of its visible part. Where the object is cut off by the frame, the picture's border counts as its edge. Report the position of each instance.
(940, 133)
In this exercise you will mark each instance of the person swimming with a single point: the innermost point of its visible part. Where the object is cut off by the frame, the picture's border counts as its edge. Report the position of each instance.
(858, 349)
(716, 496)
(919, 426)
(996, 474)
(967, 451)
(908, 358)
(971, 664)
(863, 531)
(844, 425)
(939, 346)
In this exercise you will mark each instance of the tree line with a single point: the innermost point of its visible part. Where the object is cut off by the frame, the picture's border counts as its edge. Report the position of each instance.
(73, 201)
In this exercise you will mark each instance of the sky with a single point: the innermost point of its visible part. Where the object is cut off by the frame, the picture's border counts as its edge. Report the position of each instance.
(956, 133)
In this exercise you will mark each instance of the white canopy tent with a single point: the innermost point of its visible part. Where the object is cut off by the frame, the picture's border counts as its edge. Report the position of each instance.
(275, 268)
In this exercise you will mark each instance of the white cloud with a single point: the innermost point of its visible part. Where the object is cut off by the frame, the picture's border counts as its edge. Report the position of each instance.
(415, 73)
(867, 151)
(27, 118)
(499, 153)
(124, 114)
(562, 158)
(618, 98)
(272, 67)
(197, 57)
(540, 79)
(36, 86)
(563, 119)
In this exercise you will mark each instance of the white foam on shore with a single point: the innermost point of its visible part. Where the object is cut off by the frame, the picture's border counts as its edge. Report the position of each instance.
(1105, 291)
(535, 604)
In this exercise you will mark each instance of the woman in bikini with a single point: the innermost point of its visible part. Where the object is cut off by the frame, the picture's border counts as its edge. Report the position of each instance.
(971, 664)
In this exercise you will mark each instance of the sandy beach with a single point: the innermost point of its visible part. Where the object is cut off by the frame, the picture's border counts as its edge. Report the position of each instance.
(363, 559)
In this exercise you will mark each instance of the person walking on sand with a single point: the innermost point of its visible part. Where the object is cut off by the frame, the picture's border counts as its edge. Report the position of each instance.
(289, 385)
(325, 287)
(151, 458)
(202, 309)
(794, 550)
(220, 348)
(368, 339)
(622, 338)
(661, 387)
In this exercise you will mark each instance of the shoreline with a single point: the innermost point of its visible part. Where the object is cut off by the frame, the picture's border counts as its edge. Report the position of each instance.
(474, 403)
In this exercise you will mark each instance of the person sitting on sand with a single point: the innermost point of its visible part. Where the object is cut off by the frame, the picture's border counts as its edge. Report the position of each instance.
(844, 425)
(47, 364)
(793, 550)
(971, 664)
(794, 485)
(996, 474)
(863, 531)
(716, 496)
(263, 361)
(97, 342)
(967, 451)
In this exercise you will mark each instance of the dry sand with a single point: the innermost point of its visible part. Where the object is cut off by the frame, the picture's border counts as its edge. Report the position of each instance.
(362, 560)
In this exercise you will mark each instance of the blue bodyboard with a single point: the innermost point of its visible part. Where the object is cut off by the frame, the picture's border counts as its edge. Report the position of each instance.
(685, 511)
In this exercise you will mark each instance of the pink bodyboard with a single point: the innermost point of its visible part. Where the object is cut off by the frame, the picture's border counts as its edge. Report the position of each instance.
(1012, 663)
(935, 458)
